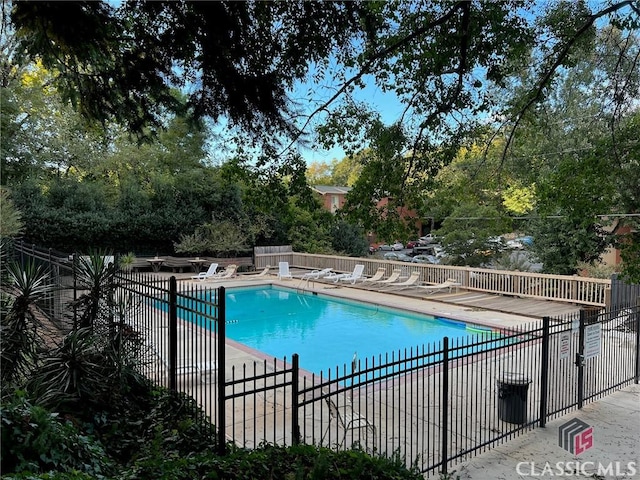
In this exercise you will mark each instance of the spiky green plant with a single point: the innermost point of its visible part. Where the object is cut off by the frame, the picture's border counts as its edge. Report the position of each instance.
(20, 341)
(72, 373)
(95, 276)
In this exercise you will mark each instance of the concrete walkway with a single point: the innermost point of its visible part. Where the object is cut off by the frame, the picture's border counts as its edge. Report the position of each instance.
(615, 420)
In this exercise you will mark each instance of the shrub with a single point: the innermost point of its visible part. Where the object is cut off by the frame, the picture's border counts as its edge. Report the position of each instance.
(268, 461)
(36, 440)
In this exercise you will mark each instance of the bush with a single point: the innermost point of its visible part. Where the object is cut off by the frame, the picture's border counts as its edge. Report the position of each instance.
(162, 439)
(36, 440)
(267, 461)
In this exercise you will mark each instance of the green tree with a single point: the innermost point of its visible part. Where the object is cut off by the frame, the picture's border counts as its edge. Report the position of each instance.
(466, 234)
(349, 239)
(241, 59)
(576, 150)
(319, 173)
(11, 224)
(237, 58)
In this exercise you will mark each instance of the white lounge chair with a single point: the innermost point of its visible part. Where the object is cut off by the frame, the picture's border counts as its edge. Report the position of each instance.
(376, 276)
(448, 285)
(283, 271)
(408, 283)
(228, 272)
(395, 275)
(253, 276)
(316, 274)
(358, 270)
(211, 272)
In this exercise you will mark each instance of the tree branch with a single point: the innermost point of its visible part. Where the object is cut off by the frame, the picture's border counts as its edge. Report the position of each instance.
(377, 56)
(546, 78)
(448, 105)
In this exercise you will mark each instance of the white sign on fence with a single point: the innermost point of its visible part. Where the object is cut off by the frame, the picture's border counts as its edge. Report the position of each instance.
(592, 340)
(565, 345)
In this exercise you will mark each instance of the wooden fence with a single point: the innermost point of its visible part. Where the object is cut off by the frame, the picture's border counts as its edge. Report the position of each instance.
(560, 288)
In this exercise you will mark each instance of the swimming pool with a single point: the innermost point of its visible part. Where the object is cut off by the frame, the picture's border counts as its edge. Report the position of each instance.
(326, 331)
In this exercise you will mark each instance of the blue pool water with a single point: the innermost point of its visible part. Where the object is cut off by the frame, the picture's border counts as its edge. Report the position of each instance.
(326, 332)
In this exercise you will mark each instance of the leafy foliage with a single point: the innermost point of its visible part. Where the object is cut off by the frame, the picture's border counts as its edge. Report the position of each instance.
(95, 275)
(11, 224)
(223, 237)
(73, 373)
(466, 234)
(349, 240)
(561, 243)
(295, 462)
(36, 440)
(110, 52)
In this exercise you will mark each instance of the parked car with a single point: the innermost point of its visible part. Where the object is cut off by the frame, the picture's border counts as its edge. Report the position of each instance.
(412, 243)
(429, 238)
(433, 250)
(425, 259)
(398, 257)
(520, 243)
(497, 243)
(393, 247)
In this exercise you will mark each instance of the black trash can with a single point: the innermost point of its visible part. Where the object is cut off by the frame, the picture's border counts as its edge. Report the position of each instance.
(513, 389)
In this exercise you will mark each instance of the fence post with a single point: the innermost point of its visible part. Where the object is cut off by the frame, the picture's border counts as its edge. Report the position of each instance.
(74, 269)
(295, 389)
(544, 373)
(221, 426)
(637, 316)
(580, 360)
(173, 333)
(445, 404)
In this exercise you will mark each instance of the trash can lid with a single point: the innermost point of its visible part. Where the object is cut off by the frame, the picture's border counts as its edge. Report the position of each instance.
(513, 378)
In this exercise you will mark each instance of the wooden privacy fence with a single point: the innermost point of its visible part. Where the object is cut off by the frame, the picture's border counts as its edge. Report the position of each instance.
(561, 288)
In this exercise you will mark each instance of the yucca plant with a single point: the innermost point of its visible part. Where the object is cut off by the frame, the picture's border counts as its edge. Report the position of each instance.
(72, 373)
(92, 366)
(127, 347)
(95, 275)
(100, 311)
(20, 341)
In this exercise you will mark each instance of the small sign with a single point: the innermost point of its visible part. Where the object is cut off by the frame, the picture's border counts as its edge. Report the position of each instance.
(592, 340)
(575, 325)
(565, 345)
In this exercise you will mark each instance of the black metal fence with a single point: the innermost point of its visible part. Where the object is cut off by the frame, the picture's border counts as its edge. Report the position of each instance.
(623, 293)
(432, 405)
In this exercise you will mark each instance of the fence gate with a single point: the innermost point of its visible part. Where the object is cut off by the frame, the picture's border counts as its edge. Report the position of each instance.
(609, 351)
(589, 356)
